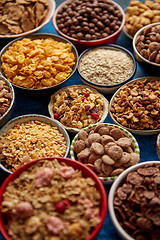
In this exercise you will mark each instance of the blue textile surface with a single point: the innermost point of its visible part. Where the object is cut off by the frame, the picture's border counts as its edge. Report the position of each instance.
(27, 104)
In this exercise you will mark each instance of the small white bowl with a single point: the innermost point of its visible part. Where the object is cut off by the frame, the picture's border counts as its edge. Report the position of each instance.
(138, 56)
(52, 6)
(135, 146)
(6, 116)
(124, 235)
(72, 129)
(139, 132)
(34, 117)
(107, 88)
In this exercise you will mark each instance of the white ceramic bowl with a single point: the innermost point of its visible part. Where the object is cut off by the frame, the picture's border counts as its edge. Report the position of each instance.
(124, 235)
(135, 146)
(135, 131)
(37, 36)
(76, 129)
(52, 6)
(138, 56)
(35, 117)
(104, 88)
(6, 116)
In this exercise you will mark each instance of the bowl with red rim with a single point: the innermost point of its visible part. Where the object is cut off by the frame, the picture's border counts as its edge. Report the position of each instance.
(91, 23)
(77, 168)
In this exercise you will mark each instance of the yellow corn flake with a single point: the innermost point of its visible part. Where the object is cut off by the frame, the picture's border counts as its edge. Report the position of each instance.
(38, 63)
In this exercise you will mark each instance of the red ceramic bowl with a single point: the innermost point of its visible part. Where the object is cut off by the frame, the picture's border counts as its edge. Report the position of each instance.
(76, 165)
(83, 43)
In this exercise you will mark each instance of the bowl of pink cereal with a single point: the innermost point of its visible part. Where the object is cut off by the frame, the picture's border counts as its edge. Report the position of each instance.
(134, 201)
(54, 198)
(106, 148)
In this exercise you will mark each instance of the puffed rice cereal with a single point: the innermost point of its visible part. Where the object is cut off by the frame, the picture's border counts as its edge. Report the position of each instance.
(38, 63)
(30, 141)
(51, 200)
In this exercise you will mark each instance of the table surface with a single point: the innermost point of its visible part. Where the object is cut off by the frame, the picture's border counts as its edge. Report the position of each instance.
(33, 104)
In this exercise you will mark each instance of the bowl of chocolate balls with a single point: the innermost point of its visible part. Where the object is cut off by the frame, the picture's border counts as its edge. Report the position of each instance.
(90, 23)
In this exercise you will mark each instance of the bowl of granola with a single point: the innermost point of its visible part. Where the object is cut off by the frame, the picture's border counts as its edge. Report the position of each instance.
(135, 106)
(106, 148)
(7, 98)
(52, 198)
(20, 18)
(29, 137)
(78, 106)
(106, 67)
(133, 202)
(39, 62)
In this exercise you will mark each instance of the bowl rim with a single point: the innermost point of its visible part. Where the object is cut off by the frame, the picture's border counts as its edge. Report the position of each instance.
(13, 96)
(105, 180)
(72, 129)
(90, 41)
(133, 131)
(43, 118)
(41, 36)
(85, 170)
(113, 47)
(134, 45)
(51, 10)
(113, 188)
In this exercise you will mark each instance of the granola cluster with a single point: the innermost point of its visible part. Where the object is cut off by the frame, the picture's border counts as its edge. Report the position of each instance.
(18, 16)
(52, 201)
(137, 105)
(78, 108)
(29, 141)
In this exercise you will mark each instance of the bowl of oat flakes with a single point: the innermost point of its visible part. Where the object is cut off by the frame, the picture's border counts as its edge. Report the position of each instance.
(135, 106)
(29, 137)
(106, 68)
(78, 106)
(52, 198)
(7, 98)
(106, 148)
(133, 202)
(38, 63)
(20, 18)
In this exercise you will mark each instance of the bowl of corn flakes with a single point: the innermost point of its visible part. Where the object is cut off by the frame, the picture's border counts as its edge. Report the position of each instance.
(53, 198)
(106, 148)
(20, 18)
(38, 62)
(78, 106)
(29, 137)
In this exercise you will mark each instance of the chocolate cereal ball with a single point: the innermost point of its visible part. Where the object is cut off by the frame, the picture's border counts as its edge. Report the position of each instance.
(89, 20)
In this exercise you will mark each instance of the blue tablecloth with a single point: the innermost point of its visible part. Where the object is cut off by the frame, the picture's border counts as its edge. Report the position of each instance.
(27, 104)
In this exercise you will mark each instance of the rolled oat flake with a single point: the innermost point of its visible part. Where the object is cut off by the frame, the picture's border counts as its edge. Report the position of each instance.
(106, 66)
